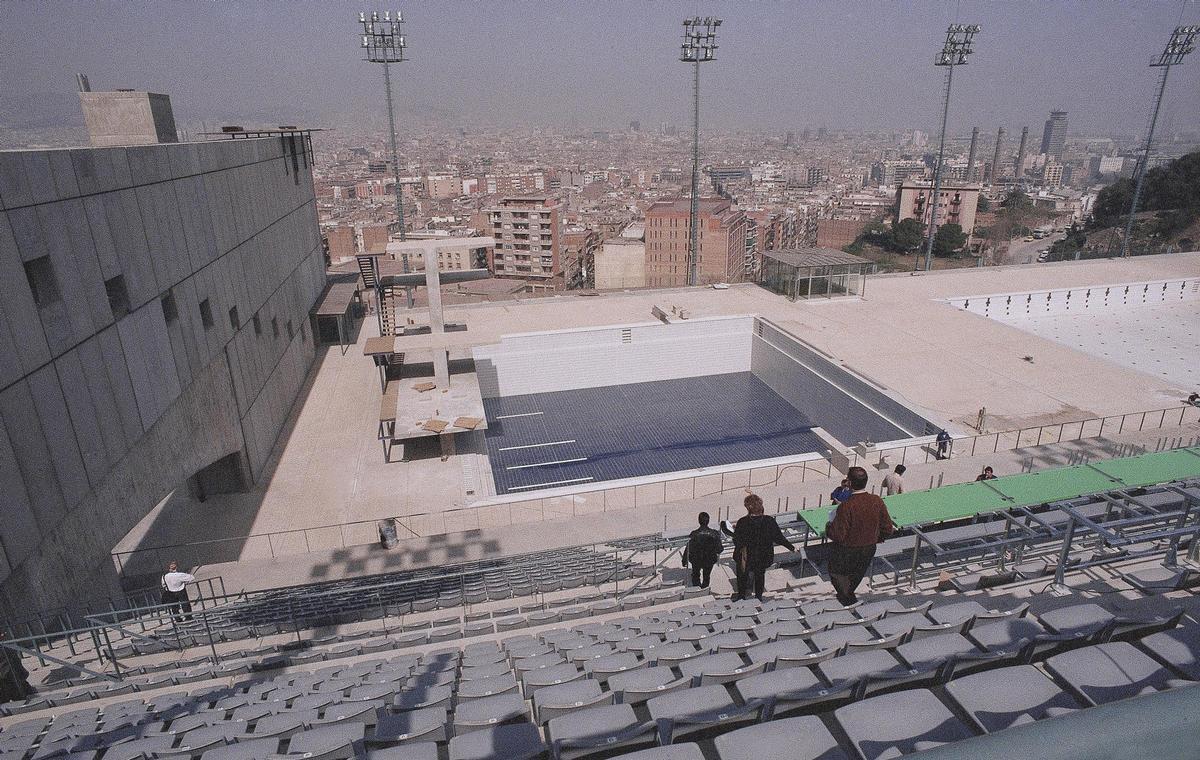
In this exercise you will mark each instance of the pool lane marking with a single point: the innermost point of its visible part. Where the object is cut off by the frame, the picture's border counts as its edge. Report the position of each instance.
(552, 483)
(510, 416)
(545, 464)
(534, 445)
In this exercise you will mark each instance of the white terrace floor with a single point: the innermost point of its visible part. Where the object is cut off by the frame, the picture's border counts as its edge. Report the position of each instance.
(329, 468)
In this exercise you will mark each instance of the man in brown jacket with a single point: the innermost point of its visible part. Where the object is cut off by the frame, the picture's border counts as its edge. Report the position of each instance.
(860, 522)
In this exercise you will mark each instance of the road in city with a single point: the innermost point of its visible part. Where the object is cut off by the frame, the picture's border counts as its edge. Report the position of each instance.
(1022, 252)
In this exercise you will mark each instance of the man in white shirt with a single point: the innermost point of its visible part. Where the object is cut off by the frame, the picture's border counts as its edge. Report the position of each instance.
(174, 591)
(893, 483)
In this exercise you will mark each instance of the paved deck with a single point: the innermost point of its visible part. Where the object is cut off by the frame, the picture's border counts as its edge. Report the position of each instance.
(328, 470)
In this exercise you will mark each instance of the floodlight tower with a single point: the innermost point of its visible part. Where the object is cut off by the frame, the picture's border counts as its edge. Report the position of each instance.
(1182, 42)
(383, 42)
(699, 46)
(959, 38)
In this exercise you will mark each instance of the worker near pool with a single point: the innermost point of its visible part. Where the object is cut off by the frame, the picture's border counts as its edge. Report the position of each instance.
(860, 522)
(754, 539)
(702, 551)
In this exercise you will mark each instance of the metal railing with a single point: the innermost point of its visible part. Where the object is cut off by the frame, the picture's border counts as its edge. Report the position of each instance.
(1040, 435)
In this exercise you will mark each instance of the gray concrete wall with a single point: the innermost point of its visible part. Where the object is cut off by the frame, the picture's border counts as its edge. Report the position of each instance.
(105, 410)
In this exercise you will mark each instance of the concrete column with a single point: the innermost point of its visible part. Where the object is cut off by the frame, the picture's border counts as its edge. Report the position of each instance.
(437, 323)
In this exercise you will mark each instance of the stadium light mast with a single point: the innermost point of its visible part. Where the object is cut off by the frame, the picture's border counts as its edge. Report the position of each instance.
(1182, 42)
(383, 42)
(699, 46)
(959, 38)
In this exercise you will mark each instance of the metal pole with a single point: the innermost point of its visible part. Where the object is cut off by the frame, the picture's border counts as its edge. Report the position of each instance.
(937, 173)
(399, 193)
(694, 215)
(1141, 168)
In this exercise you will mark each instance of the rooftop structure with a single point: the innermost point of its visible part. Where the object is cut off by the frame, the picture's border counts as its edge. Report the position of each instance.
(127, 117)
(814, 273)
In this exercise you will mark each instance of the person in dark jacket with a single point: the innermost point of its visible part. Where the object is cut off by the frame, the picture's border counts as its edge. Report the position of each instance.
(860, 522)
(15, 685)
(702, 551)
(754, 539)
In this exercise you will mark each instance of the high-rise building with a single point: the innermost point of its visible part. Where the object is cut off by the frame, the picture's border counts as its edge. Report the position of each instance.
(1052, 174)
(153, 337)
(970, 171)
(994, 174)
(1019, 164)
(956, 205)
(721, 249)
(1054, 135)
(527, 230)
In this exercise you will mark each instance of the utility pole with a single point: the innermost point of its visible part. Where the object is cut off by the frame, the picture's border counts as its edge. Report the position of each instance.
(954, 53)
(1182, 42)
(699, 46)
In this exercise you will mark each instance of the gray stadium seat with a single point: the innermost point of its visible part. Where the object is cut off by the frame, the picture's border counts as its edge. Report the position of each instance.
(1011, 635)
(898, 724)
(551, 676)
(516, 741)
(1077, 620)
(639, 685)
(932, 651)
(489, 711)
(703, 708)
(487, 687)
(425, 725)
(552, 701)
(673, 654)
(1178, 649)
(803, 738)
(602, 668)
(417, 751)
(718, 668)
(960, 612)
(586, 732)
(421, 696)
(685, 751)
(1108, 672)
(791, 688)
(257, 749)
(1007, 697)
(139, 748)
(335, 742)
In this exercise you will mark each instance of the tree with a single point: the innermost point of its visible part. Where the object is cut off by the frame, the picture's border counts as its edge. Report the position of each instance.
(984, 205)
(907, 235)
(1016, 201)
(948, 240)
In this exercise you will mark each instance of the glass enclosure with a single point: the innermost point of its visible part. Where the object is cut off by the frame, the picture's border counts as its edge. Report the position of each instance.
(801, 275)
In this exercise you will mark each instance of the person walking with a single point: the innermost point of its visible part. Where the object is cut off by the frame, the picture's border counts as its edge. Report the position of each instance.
(754, 539)
(987, 474)
(15, 684)
(702, 551)
(943, 443)
(861, 522)
(893, 483)
(174, 592)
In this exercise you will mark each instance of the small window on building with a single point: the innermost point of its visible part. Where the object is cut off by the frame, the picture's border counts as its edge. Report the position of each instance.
(206, 317)
(42, 282)
(170, 310)
(291, 330)
(257, 324)
(118, 296)
(274, 327)
(303, 334)
(234, 321)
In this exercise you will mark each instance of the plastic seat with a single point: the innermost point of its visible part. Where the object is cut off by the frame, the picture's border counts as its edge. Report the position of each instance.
(685, 751)
(425, 725)
(585, 732)
(552, 701)
(487, 687)
(1008, 635)
(803, 738)
(551, 676)
(489, 711)
(284, 724)
(1077, 620)
(421, 697)
(673, 654)
(639, 685)
(1178, 649)
(704, 708)
(603, 668)
(1006, 697)
(516, 741)
(898, 724)
(720, 668)
(335, 742)
(255, 749)
(932, 651)
(791, 689)
(1108, 672)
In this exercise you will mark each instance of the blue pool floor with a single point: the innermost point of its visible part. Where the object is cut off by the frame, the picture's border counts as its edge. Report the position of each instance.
(575, 437)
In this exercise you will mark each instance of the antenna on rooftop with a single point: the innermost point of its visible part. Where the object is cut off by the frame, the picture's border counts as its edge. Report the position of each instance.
(383, 42)
(957, 47)
(1182, 42)
(699, 46)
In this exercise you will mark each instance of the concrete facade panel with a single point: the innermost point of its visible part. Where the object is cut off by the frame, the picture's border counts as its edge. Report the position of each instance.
(51, 406)
(18, 314)
(19, 528)
(32, 451)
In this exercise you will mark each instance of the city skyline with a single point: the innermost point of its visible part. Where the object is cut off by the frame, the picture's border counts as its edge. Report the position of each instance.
(860, 66)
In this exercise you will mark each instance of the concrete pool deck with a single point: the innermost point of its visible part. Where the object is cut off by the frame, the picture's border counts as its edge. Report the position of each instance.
(327, 468)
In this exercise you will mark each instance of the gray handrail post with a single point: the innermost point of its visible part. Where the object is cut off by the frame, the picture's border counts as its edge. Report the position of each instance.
(1061, 571)
(211, 644)
(112, 655)
(382, 612)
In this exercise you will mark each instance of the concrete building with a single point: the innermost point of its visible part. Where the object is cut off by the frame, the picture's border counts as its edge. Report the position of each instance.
(579, 256)
(1052, 174)
(126, 117)
(839, 233)
(722, 242)
(342, 242)
(154, 307)
(1054, 135)
(528, 232)
(375, 237)
(443, 186)
(956, 205)
(452, 252)
(621, 263)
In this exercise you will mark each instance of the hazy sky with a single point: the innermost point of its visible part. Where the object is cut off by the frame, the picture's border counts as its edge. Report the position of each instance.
(601, 63)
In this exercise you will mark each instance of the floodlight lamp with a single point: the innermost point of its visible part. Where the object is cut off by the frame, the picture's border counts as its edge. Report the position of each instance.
(366, 42)
(362, 18)
(374, 15)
